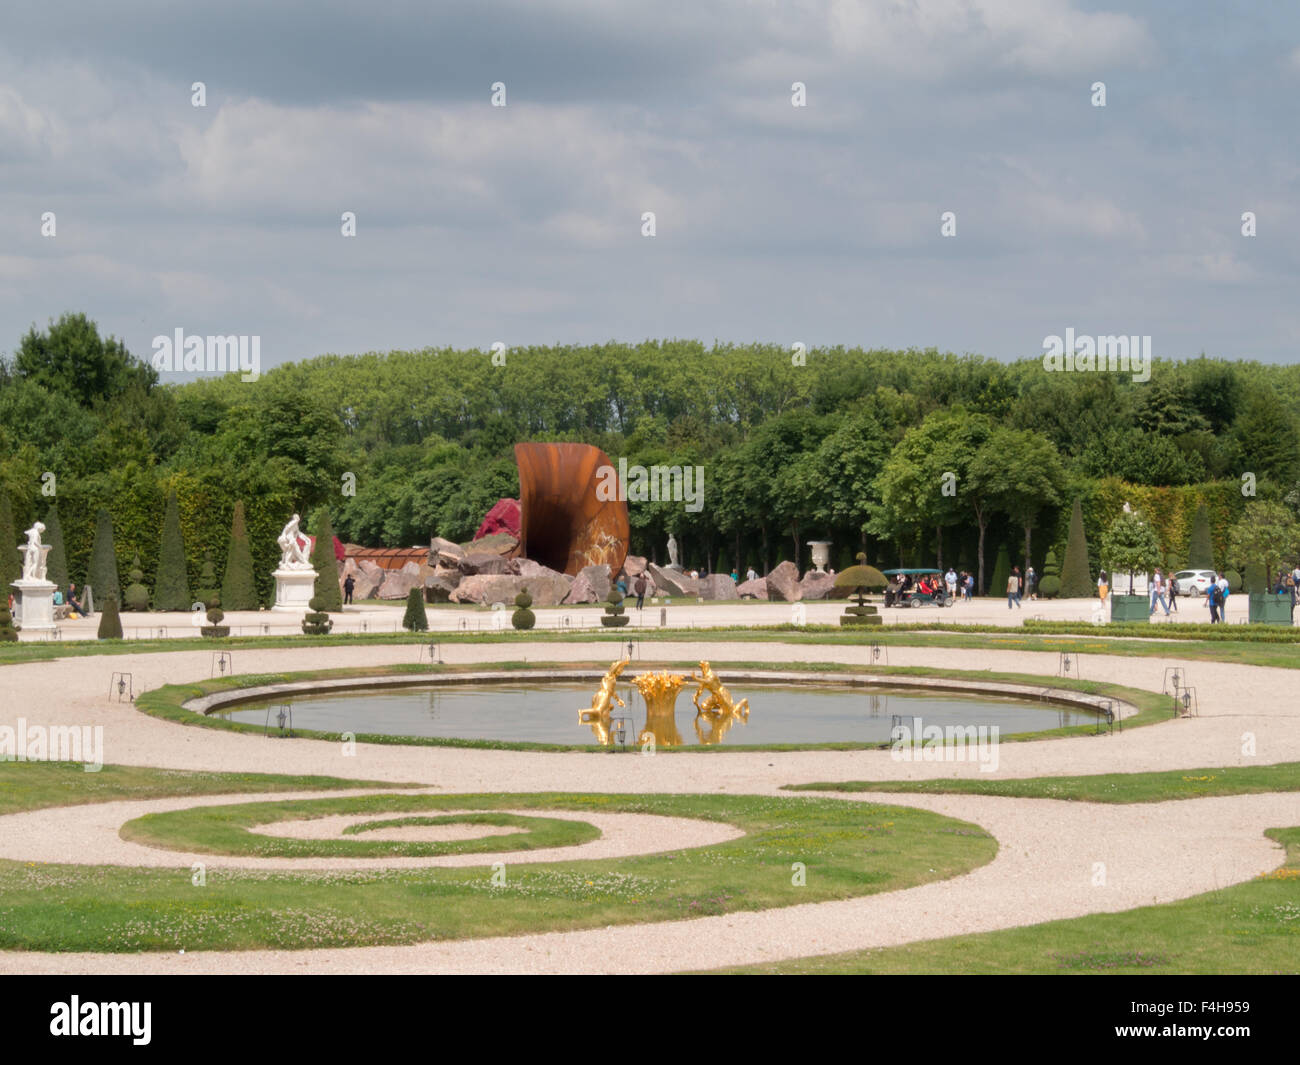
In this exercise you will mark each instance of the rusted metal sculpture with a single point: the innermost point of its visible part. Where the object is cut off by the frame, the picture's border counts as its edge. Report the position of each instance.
(563, 524)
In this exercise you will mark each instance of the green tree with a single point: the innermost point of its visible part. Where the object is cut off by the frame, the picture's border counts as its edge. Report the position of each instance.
(56, 562)
(102, 575)
(325, 564)
(1130, 546)
(171, 586)
(10, 567)
(1021, 473)
(1267, 533)
(1076, 579)
(1200, 549)
(72, 359)
(238, 589)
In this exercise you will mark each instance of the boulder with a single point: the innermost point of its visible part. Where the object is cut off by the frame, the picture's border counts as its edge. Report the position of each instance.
(502, 518)
(783, 583)
(816, 585)
(444, 552)
(547, 588)
(634, 565)
(438, 588)
(755, 589)
(496, 544)
(484, 562)
(582, 591)
(672, 582)
(599, 578)
(399, 582)
(366, 574)
(718, 586)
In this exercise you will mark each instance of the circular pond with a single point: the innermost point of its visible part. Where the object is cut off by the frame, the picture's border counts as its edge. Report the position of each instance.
(549, 713)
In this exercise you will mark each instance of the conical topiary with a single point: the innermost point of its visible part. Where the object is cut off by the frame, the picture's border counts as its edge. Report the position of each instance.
(215, 616)
(1076, 579)
(325, 564)
(316, 622)
(614, 616)
(171, 586)
(102, 574)
(1200, 549)
(415, 619)
(238, 590)
(8, 633)
(207, 592)
(110, 622)
(523, 618)
(137, 595)
(56, 562)
(1001, 573)
(10, 568)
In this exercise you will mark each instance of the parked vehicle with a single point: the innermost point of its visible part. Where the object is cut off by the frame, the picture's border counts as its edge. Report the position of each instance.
(1194, 581)
(908, 594)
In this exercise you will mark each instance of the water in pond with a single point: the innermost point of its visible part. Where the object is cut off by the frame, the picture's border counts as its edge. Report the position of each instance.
(548, 713)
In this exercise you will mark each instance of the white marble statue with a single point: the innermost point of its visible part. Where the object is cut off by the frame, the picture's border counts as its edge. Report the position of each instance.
(33, 556)
(293, 549)
(673, 561)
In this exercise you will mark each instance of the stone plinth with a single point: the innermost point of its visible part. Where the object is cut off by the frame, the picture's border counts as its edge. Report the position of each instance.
(34, 605)
(294, 589)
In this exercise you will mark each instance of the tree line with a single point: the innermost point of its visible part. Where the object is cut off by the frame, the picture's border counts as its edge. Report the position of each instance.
(916, 457)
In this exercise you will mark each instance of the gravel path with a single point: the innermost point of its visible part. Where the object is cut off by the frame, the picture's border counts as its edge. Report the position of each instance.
(1044, 870)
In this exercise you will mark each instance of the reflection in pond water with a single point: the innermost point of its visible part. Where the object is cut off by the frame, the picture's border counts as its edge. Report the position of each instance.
(537, 712)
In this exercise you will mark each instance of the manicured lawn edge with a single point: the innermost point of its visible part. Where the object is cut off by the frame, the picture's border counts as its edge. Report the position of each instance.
(167, 703)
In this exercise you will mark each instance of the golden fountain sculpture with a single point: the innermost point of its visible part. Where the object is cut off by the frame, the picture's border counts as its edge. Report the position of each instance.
(659, 690)
(715, 709)
(597, 715)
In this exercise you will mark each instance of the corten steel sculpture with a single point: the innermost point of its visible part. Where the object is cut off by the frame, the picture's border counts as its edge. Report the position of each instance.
(562, 523)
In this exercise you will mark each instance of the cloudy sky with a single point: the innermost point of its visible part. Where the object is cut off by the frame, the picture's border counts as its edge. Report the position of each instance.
(522, 223)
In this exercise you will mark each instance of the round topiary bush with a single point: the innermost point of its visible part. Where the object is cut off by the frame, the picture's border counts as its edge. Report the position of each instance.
(1234, 580)
(523, 618)
(137, 595)
(216, 615)
(1049, 587)
(8, 633)
(317, 621)
(614, 616)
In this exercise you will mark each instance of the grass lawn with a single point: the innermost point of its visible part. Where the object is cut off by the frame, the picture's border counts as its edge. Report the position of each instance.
(1108, 787)
(1250, 928)
(848, 848)
(225, 829)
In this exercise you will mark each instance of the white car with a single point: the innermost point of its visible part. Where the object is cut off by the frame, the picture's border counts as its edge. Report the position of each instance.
(1194, 581)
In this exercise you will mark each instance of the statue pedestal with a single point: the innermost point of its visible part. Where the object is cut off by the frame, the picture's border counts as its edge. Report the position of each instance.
(34, 605)
(294, 589)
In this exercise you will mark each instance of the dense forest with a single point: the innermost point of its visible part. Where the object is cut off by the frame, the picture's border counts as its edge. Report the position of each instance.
(846, 445)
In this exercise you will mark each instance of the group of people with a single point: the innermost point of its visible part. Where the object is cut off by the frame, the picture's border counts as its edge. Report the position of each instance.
(1019, 586)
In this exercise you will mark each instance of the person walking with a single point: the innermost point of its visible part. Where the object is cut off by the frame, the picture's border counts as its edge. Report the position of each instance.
(1103, 586)
(1158, 593)
(1013, 589)
(1173, 594)
(348, 584)
(969, 586)
(1031, 583)
(950, 581)
(638, 586)
(1214, 597)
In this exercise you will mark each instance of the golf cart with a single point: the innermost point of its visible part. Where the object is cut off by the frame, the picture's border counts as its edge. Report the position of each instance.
(908, 587)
